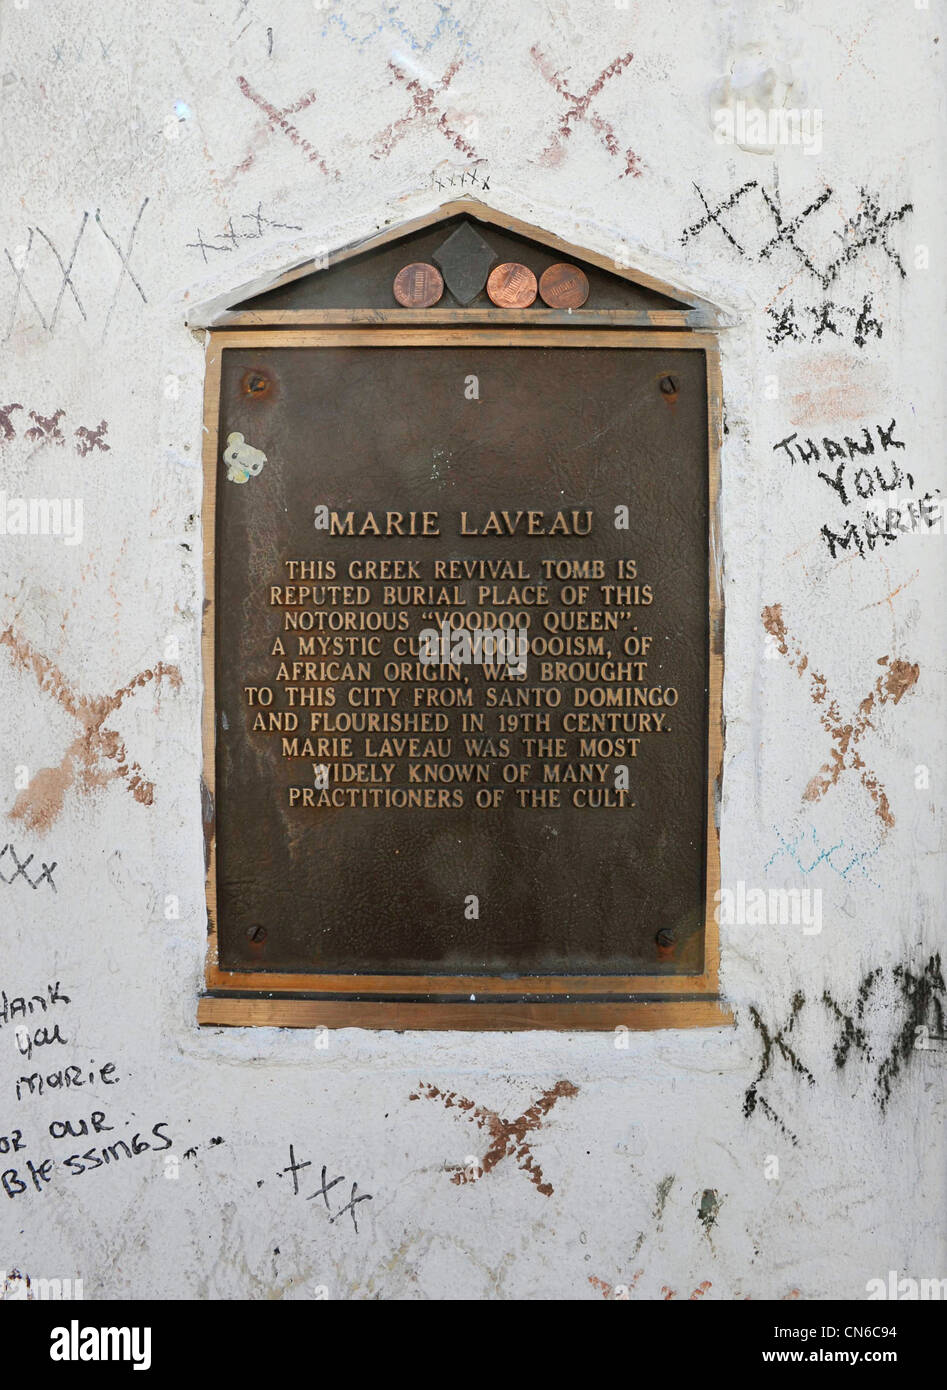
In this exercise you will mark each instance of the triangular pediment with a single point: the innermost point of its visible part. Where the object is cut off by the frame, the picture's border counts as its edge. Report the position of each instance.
(464, 239)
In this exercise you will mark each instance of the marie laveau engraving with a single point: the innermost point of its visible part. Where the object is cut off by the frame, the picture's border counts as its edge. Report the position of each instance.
(463, 654)
(495, 633)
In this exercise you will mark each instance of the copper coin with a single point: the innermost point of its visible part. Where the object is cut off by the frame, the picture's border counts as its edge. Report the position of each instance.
(512, 286)
(418, 286)
(564, 286)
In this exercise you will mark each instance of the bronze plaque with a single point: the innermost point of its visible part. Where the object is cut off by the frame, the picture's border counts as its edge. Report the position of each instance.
(395, 796)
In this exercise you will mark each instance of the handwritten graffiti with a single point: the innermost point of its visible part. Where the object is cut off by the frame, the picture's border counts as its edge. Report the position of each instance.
(825, 318)
(90, 439)
(231, 237)
(447, 26)
(852, 478)
(470, 178)
(66, 51)
(868, 227)
(46, 429)
(796, 234)
(805, 853)
(773, 1045)
(326, 1186)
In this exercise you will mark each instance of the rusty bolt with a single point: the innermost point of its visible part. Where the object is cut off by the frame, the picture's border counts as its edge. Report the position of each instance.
(665, 937)
(256, 384)
(668, 386)
(257, 935)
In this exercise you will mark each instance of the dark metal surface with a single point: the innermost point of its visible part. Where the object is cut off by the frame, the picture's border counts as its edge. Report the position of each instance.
(570, 890)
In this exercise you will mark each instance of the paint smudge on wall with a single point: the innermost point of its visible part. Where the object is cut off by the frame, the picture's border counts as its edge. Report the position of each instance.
(662, 1193)
(667, 1293)
(709, 1209)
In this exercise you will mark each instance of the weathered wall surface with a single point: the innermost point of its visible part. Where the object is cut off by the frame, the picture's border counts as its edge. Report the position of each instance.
(156, 156)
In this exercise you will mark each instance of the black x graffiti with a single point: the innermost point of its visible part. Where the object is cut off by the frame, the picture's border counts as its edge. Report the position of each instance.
(712, 215)
(123, 256)
(785, 325)
(774, 1043)
(66, 271)
(66, 281)
(325, 1188)
(234, 237)
(786, 231)
(453, 181)
(351, 1204)
(19, 272)
(867, 227)
(22, 866)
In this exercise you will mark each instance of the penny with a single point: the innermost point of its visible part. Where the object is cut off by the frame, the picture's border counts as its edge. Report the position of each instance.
(512, 286)
(564, 286)
(418, 286)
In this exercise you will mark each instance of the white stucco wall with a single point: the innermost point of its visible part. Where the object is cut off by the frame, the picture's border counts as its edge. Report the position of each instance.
(143, 157)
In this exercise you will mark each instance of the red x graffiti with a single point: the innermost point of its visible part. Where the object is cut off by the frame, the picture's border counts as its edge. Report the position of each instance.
(424, 109)
(277, 120)
(97, 755)
(895, 680)
(507, 1137)
(580, 109)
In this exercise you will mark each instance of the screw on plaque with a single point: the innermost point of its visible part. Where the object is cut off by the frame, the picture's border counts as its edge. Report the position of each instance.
(257, 935)
(668, 385)
(464, 259)
(664, 941)
(256, 385)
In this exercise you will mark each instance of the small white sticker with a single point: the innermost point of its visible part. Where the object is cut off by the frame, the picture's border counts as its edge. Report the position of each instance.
(242, 460)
